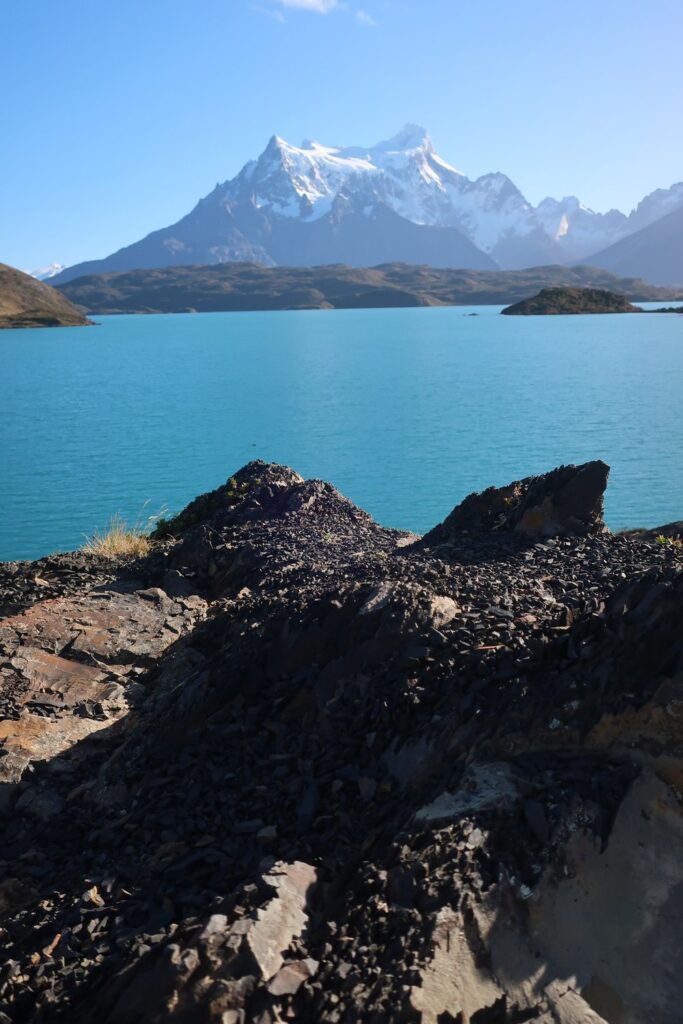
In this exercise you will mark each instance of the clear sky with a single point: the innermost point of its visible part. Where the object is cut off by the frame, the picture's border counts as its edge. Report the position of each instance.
(118, 115)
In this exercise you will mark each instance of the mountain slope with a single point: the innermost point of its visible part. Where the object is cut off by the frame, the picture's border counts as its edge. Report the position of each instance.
(240, 286)
(655, 252)
(26, 302)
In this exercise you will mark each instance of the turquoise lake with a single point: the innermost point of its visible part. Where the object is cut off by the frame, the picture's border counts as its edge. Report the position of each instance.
(405, 411)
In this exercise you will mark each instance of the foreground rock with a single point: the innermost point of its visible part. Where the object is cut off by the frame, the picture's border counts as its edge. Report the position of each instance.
(357, 777)
(572, 300)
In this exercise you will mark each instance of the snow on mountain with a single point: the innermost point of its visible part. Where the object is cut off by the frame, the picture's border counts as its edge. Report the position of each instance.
(45, 273)
(404, 173)
(577, 229)
(656, 205)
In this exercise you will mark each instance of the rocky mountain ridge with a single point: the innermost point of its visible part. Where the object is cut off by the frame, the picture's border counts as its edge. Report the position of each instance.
(397, 200)
(297, 766)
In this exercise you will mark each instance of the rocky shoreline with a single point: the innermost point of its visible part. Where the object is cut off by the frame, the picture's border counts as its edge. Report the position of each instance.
(295, 766)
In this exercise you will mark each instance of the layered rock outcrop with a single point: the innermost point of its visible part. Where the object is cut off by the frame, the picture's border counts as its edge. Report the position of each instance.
(345, 775)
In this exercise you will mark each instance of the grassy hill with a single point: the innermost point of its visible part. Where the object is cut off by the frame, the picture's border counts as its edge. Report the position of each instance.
(25, 302)
(250, 286)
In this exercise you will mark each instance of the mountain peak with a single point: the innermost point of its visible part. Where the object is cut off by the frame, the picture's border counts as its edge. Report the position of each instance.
(276, 143)
(411, 136)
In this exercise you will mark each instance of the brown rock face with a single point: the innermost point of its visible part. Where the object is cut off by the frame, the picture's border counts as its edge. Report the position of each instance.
(566, 501)
(68, 668)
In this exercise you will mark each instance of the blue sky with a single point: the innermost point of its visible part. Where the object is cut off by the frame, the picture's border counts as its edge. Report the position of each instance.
(123, 113)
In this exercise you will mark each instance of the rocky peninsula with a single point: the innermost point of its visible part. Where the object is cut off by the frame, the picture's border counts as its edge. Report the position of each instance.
(296, 766)
(26, 302)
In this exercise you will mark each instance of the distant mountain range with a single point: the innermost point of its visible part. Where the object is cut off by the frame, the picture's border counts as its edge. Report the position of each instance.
(249, 286)
(396, 201)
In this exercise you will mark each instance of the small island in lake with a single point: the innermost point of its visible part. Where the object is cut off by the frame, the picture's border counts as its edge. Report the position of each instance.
(554, 301)
(26, 302)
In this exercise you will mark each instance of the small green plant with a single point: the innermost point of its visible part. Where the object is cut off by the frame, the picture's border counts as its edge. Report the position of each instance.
(670, 542)
(236, 490)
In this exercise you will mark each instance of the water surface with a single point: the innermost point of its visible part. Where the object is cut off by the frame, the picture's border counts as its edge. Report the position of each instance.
(405, 410)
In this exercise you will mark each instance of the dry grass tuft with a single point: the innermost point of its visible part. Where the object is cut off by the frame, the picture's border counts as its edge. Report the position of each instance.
(117, 540)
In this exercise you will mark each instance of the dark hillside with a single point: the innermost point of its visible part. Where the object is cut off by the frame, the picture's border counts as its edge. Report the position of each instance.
(250, 286)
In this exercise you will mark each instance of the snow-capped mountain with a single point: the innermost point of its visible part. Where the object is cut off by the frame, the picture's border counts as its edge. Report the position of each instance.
(404, 173)
(397, 200)
(579, 231)
(45, 273)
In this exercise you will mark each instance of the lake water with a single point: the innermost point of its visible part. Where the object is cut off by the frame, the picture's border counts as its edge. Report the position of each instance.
(406, 411)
